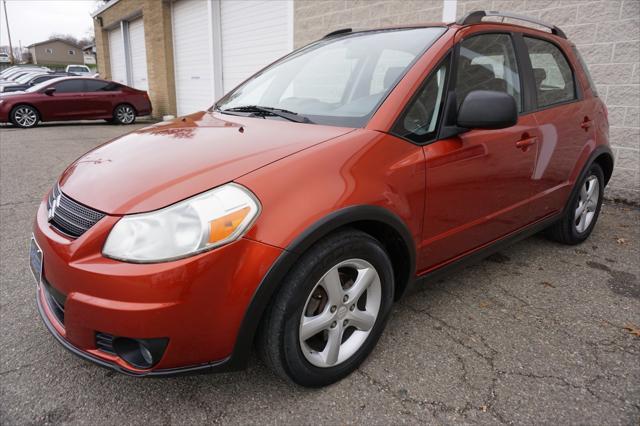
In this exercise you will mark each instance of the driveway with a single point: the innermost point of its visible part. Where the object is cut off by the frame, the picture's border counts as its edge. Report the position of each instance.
(534, 334)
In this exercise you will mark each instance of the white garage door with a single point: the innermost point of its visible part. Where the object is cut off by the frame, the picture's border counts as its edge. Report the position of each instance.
(192, 50)
(138, 55)
(117, 56)
(254, 34)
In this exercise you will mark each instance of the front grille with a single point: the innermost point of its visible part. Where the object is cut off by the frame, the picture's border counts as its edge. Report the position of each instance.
(104, 342)
(55, 301)
(70, 217)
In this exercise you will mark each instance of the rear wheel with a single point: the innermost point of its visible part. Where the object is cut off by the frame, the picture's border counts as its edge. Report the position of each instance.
(25, 116)
(124, 114)
(584, 209)
(330, 312)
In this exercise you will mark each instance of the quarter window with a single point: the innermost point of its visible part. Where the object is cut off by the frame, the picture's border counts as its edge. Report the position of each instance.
(488, 62)
(418, 122)
(552, 74)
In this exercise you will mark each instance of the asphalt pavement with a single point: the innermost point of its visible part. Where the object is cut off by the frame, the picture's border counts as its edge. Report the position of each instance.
(538, 333)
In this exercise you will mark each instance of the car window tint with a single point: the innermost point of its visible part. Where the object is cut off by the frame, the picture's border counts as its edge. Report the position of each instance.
(488, 62)
(43, 78)
(69, 86)
(585, 69)
(418, 122)
(551, 71)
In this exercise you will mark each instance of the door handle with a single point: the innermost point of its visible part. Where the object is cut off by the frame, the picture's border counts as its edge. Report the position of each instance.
(524, 144)
(586, 123)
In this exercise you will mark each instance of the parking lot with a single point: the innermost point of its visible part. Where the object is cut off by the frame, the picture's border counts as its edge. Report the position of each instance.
(539, 333)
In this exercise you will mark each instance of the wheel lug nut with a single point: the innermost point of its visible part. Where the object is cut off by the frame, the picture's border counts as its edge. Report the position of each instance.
(333, 324)
(345, 298)
(345, 322)
(352, 307)
(333, 309)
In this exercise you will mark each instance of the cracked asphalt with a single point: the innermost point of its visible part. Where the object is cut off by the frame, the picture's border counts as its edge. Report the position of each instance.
(534, 334)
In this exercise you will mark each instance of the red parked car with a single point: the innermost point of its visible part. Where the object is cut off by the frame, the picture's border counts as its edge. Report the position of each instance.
(74, 98)
(306, 201)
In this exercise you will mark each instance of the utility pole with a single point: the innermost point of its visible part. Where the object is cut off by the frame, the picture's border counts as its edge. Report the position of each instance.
(8, 32)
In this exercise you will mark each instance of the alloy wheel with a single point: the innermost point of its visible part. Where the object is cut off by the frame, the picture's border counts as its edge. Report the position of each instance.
(125, 114)
(340, 312)
(25, 116)
(587, 204)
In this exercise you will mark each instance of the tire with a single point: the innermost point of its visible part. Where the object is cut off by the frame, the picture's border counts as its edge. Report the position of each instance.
(25, 116)
(360, 259)
(576, 226)
(124, 114)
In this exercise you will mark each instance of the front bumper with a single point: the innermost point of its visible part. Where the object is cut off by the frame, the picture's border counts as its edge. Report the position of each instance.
(196, 303)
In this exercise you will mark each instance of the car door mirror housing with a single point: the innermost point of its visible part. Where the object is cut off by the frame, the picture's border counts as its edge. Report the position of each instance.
(49, 91)
(487, 109)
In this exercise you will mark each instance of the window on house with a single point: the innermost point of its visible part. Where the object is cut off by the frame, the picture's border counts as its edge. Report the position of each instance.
(49, 50)
(72, 52)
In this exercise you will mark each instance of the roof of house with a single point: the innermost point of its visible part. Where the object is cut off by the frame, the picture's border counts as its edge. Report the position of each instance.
(53, 40)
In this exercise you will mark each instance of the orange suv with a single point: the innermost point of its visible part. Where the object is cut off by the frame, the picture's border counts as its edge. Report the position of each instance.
(294, 212)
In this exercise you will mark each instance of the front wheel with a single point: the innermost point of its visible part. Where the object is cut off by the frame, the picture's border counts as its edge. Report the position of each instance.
(330, 312)
(124, 114)
(583, 211)
(25, 116)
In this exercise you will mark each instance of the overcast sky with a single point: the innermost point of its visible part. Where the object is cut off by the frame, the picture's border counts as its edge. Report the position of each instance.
(31, 21)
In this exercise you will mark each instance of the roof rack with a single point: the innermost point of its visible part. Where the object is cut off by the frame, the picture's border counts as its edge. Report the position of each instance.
(477, 15)
(338, 32)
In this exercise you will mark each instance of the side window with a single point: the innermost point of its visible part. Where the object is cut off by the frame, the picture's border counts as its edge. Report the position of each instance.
(488, 62)
(101, 86)
(69, 86)
(418, 121)
(551, 71)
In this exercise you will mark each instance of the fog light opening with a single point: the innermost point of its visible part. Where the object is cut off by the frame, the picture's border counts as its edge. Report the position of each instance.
(140, 353)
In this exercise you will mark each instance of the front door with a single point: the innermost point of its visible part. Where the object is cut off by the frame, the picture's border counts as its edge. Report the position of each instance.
(66, 103)
(478, 182)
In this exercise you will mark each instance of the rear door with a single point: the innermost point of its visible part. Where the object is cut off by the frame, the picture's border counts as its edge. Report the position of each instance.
(478, 182)
(565, 120)
(99, 98)
(66, 103)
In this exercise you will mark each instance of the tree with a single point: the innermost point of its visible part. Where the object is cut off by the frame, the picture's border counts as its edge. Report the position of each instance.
(82, 42)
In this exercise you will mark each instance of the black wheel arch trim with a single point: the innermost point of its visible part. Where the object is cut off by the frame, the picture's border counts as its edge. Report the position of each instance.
(273, 278)
(601, 150)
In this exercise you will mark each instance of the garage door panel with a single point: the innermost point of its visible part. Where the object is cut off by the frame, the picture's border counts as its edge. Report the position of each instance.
(117, 57)
(254, 34)
(192, 55)
(138, 55)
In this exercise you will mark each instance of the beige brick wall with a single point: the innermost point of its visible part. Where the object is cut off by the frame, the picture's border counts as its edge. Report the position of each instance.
(156, 15)
(315, 18)
(607, 32)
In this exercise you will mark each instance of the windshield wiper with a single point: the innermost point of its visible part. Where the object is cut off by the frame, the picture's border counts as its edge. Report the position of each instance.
(255, 109)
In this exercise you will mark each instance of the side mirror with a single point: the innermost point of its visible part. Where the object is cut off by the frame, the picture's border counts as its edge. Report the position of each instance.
(49, 91)
(487, 109)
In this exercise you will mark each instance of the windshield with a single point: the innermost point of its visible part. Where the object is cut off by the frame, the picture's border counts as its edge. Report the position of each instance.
(25, 78)
(336, 81)
(78, 69)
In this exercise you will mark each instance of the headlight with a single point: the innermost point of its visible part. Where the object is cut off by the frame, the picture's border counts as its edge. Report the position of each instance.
(200, 223)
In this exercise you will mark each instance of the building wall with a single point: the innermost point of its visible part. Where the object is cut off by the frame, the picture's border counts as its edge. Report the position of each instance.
(156, 15)
(60, 55)
(315, 18)
(607, 33)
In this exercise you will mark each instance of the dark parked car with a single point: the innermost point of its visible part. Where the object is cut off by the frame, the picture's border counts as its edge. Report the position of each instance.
(25, 82)
(69, 98)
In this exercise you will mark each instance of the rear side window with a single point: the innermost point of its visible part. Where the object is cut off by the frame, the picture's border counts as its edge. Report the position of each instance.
(70, 86)
(101, 86)
(488, 62)
(585, 70)
(552, 74)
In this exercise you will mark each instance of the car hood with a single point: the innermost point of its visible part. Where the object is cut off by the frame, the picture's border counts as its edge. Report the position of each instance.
(159, 165)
